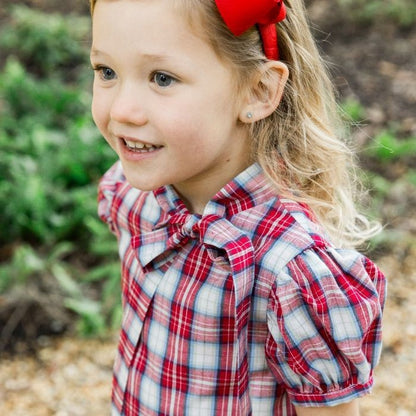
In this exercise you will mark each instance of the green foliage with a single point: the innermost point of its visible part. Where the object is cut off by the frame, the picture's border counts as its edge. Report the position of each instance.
(352, 110)
(28, 264)
(380, 188)
(92, 320)
(103, 246)
(411, 177)
(402, 12)
(47, 102)
(51, 157)
(387, 147)
(46, 162)
(391, 183)
(46, 44)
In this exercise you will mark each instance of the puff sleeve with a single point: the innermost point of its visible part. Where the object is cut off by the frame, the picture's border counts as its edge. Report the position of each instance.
(324, 322)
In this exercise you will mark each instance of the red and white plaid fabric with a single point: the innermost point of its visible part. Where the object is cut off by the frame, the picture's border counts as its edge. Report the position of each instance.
(244, 310)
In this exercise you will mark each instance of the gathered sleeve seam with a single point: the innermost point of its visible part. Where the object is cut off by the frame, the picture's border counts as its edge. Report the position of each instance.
(333, 397)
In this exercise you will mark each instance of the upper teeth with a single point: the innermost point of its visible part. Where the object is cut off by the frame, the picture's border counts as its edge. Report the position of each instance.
(137, 145)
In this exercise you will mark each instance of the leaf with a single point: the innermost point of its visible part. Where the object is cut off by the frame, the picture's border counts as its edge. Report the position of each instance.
(66, 282)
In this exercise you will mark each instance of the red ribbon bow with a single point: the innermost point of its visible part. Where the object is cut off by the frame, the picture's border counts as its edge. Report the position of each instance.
(241, 15)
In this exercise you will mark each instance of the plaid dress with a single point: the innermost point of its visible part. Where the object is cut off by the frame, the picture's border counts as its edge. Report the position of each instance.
(244, 310)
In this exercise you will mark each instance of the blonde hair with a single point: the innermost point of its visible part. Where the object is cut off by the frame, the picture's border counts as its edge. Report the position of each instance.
(299, 146)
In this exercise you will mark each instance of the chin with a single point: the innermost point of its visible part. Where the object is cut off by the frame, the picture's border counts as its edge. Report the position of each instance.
(141, 185)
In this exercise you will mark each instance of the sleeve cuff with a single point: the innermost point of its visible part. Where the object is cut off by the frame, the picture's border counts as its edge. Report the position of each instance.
(331, 398)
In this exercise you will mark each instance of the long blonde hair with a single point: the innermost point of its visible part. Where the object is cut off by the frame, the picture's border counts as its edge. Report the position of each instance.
(300, 146)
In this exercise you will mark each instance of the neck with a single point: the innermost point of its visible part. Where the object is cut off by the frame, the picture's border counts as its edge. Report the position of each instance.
(196, 196)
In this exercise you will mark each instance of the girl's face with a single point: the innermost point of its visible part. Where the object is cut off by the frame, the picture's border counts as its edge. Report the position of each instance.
(164, 101)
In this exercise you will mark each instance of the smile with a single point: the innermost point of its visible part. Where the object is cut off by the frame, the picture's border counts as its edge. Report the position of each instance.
(140, 147)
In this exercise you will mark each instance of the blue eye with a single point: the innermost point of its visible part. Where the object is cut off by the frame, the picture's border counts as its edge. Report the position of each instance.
(163, 80)
(107, 74)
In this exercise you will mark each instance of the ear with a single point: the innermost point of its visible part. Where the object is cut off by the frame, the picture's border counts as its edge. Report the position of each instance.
(265, 92)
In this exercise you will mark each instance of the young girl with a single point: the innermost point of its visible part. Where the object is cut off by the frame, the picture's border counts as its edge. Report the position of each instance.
(233, 207)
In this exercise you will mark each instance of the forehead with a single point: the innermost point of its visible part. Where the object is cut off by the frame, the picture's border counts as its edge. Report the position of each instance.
(193, 12)
(188, 8)
(141, 23)
(190, 11)
(198, 16)
(127, 30)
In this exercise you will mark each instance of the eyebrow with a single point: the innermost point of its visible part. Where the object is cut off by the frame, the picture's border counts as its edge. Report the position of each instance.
(96, 52)
(147, 56)
(157, 58)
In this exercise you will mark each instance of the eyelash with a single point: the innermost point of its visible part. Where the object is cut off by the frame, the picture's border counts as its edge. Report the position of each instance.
(153, 76)
(101, 69)
(170, 78)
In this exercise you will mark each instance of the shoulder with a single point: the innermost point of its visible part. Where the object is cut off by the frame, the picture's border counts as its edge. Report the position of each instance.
(292, 250)
(280, 230)
(309, 256)
(123, 207)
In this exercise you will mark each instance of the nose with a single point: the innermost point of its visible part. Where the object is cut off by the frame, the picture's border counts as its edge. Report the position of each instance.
(126, 107)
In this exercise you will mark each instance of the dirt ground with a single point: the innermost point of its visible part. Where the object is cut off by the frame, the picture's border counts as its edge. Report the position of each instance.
(377, 66)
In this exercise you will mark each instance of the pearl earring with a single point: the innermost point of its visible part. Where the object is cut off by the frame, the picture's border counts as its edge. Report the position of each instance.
(249, 115)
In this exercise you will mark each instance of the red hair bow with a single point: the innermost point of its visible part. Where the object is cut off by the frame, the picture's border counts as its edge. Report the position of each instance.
(241, 15)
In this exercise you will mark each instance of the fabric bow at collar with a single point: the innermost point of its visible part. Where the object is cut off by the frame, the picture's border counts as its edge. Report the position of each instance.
(214, 233)
(241, 15)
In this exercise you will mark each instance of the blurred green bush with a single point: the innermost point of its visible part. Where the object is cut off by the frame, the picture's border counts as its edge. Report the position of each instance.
(401, 12)
(51, 157)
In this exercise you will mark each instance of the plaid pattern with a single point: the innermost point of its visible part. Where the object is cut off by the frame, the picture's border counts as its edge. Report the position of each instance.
(244, 310)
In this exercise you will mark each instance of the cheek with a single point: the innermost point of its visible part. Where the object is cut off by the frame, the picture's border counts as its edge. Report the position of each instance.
(99, 112)
(186, 135)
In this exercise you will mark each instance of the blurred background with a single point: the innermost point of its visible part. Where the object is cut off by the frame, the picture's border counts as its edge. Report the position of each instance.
(59, 273)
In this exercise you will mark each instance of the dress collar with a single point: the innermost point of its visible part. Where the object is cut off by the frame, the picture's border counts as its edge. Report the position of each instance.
(246, 190)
